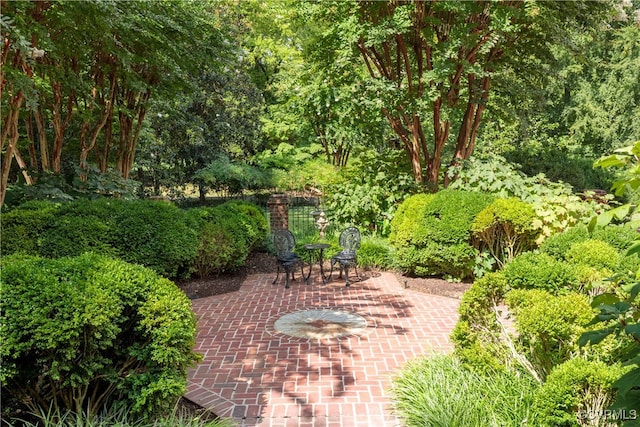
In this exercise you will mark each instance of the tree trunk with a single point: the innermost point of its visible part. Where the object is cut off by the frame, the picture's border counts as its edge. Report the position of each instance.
(60, 124)
(130, 127)
(42, 139)
(8, 141)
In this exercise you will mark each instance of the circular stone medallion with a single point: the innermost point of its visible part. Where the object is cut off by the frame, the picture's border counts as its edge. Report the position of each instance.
(319, 324)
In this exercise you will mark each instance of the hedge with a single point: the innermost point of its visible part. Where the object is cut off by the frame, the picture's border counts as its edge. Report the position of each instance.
(171, 241)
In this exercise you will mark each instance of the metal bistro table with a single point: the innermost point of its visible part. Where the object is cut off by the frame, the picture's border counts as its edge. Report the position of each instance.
(316, 254)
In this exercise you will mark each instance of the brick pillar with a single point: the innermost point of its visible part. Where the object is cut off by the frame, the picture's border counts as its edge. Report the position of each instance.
(278, 205)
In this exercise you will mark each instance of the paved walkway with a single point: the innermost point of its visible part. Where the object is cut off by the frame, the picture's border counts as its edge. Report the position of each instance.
(260, 377)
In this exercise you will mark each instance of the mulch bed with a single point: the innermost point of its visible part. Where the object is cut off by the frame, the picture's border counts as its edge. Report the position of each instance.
(261, 262)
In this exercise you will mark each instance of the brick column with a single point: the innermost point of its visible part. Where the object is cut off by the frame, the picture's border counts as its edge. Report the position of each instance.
(278, 205)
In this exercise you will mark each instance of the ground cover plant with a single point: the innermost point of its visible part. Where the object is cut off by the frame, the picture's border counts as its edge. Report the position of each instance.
(441, 391)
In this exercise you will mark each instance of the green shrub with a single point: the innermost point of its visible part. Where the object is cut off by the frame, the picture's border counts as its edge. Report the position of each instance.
(594, 253)
(83, 333)
(576, 393)
(440, 391)
(555, 203)
(22, 227)
(548, 326)
(618, 236)
(227, 233)
(375, 252)
(154, 234)
(476, 334)
(505, 228)
(533, 270)
(253, 220)
(408, 218)
(72, 233)
(432, 233)
(560, 243)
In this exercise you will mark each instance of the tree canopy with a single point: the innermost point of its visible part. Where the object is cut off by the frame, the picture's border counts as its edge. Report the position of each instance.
(432, 64)
(85, 86)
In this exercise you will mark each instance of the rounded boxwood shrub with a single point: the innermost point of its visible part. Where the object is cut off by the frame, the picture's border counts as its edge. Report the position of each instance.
(476, 336)
(505, 228)
(151, 233)
(618, 236)
(227, 233)
(22, 226)
(156, 234)
(431, 233)
(549, 325)
(594, 253)
(84, 333)
(577, 390)
(535, 270)
(407, 218)
(253, 220)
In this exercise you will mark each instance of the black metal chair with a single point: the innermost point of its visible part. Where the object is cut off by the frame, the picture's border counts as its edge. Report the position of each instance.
(284, 244)
(350, 243)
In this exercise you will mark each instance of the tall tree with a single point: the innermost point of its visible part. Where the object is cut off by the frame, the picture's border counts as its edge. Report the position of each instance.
(432, 63)
(87, 70)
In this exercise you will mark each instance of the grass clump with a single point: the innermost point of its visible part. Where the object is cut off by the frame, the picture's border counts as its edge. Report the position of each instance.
(440, 391)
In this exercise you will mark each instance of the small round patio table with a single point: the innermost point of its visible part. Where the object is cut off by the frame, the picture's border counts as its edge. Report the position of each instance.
(316, 255)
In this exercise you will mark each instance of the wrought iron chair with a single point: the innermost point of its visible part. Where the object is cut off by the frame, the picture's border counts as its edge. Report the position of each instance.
(284, 244)
(350, 243)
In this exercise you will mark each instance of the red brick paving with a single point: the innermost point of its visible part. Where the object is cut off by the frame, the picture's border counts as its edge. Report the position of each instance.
(259, 377)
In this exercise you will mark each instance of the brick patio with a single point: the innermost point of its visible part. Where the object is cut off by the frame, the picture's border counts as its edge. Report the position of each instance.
(260, 377)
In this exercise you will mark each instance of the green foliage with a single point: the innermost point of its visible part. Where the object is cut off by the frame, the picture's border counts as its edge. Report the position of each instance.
(120, 417)
(375, 252)
(476, 333)
(407, 218)
(310, 175)
(59, 188)
(22, 227)
(227, 233)
(222, 174)
(576, 393)
(618, 316)
(150, 233)
(618, 236)
(440, 391)
(83, 333)
(555, 204)
(560, 164)
(505, 228)
(548, 325)
(372, 188)
(533, 270)
(594, 253)
(253, 220)
(432, 233)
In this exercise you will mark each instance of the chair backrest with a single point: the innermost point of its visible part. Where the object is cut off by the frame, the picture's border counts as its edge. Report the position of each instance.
(283, 243)
(350, 239)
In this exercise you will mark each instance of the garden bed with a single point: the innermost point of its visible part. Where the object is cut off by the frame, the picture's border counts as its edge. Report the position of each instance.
(261, 262)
